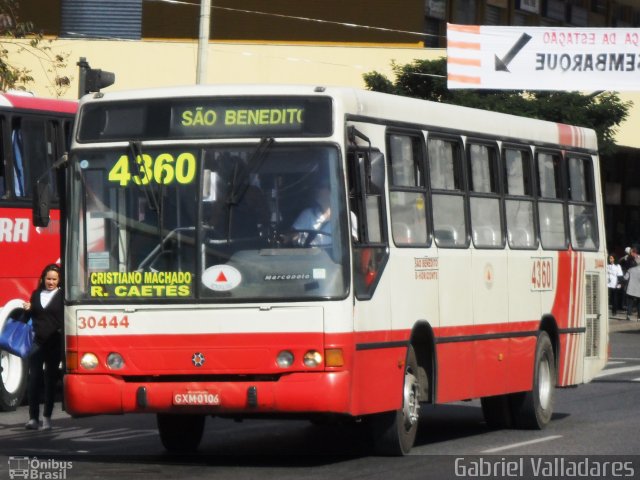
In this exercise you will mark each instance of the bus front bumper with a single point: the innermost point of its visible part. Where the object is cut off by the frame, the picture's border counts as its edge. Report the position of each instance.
(317, 392)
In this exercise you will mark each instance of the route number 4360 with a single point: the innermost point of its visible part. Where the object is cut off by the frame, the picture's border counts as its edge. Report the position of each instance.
(164, 169)
(542, 274)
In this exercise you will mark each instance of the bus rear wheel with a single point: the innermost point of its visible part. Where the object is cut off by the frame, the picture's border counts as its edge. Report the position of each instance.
(180, 433)
(14, 381)
(394, 433)
(533, 409)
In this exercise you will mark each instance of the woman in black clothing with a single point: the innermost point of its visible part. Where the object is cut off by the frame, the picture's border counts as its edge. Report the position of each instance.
(46, 307)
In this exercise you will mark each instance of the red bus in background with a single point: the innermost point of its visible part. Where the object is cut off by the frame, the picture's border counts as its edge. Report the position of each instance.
(34, 133)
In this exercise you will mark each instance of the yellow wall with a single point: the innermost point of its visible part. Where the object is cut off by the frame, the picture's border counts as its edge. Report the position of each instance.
(143, 64)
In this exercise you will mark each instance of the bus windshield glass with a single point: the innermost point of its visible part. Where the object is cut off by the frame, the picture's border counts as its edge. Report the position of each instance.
(215, 222)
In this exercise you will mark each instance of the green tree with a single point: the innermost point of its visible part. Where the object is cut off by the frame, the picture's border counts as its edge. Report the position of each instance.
(28, 41)
(426, 79)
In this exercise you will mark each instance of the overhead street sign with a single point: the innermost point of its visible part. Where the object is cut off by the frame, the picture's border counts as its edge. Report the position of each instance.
(543, 58)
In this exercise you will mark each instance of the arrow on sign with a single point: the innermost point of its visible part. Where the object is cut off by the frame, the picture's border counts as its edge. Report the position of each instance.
(501, 64)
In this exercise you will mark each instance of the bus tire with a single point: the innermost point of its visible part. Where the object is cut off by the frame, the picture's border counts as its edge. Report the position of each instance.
(497, 411)
(180, 433)
(533, 409)
(14, 381)
(394, 433)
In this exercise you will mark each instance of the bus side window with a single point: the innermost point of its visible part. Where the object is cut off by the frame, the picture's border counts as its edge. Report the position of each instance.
(3, 162)
(484, 199)
(365, 171)
(449, 222)
(18, 163)
(582, 208)
(519, 198)
(407, 189)
(32, 153)
(550, 205)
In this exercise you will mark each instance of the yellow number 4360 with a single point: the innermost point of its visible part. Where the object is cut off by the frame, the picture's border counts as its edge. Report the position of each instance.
(164, 169)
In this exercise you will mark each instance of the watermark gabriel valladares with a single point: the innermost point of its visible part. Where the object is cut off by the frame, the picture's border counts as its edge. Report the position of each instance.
(34, 468)
(558, 467)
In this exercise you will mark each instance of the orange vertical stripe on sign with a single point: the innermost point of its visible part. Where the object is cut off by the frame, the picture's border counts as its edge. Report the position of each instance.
(463, 28)
(473, 62)
(463, 45)
(463, 79)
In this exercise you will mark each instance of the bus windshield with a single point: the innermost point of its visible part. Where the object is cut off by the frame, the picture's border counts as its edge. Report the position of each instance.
(214, 222)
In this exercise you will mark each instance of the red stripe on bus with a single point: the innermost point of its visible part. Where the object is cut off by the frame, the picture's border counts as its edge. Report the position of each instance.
(37, 103)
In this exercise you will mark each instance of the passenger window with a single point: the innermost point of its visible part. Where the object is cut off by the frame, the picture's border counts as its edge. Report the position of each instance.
(582, 208)
(550, 207)
(404, 153)
(365, 172)
(3, 163)
(519, 198)
(407, 190)
(32, 153)
(549, 178)
(449, 222)
(580, 179)
(484, 200)
(517, 171)
(18, 160)
(482, 166)
(443, 164)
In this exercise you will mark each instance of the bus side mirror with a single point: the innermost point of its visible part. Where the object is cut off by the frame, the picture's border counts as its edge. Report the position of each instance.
(41, 204)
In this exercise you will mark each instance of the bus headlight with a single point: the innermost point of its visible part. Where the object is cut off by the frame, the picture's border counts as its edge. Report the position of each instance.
(89, 361)
(115, 361)
(284, 359)
(312, 359)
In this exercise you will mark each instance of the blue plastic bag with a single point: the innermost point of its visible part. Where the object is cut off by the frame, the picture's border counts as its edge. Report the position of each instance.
(17, 337)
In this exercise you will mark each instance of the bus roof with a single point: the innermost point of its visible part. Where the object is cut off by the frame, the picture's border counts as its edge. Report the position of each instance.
(30, 102)
(358, 103)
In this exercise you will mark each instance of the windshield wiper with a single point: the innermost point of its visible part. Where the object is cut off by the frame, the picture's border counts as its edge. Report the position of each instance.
(135, 151)
(253, 165)
(155, 204)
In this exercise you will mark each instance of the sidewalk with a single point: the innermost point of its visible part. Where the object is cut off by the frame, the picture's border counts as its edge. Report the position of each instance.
(619, 323)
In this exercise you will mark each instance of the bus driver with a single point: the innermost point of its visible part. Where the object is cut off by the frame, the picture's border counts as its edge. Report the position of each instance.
(313, 223)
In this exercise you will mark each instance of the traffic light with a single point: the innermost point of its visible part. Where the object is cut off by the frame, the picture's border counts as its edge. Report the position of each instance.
(97, 79)
(93, 79)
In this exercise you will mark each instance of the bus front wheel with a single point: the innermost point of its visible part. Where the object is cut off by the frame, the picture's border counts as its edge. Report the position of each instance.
(14, 381)
(394, 432)
(180, 433)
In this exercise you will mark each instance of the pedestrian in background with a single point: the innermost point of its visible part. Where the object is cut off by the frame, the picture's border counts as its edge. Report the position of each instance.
(46, 307)
(625, 263)
(632, 278)
(615, 279)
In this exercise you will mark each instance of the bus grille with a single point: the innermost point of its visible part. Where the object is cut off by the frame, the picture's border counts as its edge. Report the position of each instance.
(592, 315)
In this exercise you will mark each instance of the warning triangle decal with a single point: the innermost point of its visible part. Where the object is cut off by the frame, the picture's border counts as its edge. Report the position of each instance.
(221, 278)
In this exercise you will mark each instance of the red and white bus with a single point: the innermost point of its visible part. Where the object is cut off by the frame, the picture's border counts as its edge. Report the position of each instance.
(34, 132)
(461, 256)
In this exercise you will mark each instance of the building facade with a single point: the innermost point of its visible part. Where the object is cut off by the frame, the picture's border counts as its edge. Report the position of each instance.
(154, 43)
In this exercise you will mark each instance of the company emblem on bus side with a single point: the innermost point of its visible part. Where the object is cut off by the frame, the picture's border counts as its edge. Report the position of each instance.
(198, 359)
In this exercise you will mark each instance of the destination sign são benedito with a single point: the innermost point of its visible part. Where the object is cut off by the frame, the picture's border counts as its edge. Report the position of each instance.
(238, 117)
